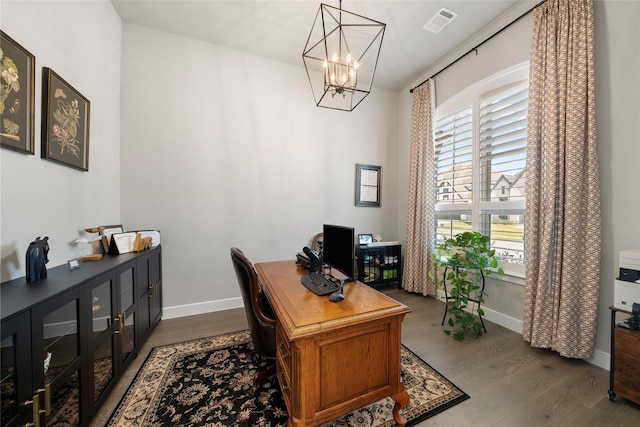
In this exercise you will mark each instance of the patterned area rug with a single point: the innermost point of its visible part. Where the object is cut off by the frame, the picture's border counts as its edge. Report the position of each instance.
(208, 382)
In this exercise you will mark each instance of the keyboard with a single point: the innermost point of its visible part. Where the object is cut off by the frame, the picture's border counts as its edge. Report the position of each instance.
(320, 284)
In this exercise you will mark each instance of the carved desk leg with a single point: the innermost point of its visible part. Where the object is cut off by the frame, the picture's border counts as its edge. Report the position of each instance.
(401, 400)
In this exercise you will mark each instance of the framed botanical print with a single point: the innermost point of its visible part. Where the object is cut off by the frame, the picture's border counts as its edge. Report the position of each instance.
(16, 96)
(65, 122)
(368, 185)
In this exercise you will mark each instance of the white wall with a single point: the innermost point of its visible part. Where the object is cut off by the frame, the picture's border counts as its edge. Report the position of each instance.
(80, 41)
(617, 31)
(221, 148)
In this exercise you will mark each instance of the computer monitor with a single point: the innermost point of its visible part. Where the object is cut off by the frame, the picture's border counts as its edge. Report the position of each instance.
(338, 249)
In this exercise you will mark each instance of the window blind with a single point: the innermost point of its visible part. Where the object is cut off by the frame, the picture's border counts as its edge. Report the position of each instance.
(453, 139)
(503, 144)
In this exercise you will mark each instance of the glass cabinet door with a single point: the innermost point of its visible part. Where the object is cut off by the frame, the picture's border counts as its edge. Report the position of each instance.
(61, 346)
(10, 403)
(16, 395)
(56, 370)
(102, 334)
(126, 309)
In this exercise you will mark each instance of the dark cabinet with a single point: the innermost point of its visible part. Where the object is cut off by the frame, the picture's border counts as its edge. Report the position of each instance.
(379, 265)
(113, 342)
(126, 316)
(67, 339)
(103, 337)
(624, 372)
(15, 354)
(149, 293)
(56, 343)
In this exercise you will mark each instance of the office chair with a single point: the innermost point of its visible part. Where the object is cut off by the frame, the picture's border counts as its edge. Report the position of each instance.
(262, 322)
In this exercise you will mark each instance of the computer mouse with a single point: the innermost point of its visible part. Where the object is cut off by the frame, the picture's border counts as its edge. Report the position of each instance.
(336, 296)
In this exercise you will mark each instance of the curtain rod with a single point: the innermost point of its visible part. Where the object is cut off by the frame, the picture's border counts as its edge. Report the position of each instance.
(475, 49)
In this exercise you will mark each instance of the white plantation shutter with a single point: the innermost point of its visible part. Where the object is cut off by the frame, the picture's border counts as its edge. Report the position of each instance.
(453, 157)
(503, 144)
(503, 151)
(480, 148)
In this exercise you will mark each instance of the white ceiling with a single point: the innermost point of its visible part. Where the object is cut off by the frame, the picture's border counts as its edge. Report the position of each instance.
(278, 29)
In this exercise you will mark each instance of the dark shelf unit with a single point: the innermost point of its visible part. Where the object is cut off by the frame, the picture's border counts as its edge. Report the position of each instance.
(67, 339)
(624, 372)
(379, 265)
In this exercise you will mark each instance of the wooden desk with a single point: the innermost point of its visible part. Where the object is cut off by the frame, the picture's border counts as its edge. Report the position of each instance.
(333, 358)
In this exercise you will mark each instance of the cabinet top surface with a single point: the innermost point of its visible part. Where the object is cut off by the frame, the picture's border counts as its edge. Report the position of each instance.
(18, 295)
(301, 312)
(379, 246)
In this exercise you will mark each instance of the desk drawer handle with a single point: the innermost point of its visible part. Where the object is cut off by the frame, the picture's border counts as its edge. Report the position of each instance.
(283, 351)
(283, 383)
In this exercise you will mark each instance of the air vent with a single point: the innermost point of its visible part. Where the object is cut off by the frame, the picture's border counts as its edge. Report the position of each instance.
(440, 20)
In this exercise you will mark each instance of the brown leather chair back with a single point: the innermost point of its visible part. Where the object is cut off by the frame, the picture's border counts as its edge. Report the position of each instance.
(259, 312)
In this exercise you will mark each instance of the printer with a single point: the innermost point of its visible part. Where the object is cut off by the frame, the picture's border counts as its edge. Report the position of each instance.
(626, 289)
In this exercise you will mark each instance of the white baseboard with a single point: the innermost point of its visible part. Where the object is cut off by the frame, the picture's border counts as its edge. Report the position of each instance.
(601, 359)
(501, 319)
(201, 308)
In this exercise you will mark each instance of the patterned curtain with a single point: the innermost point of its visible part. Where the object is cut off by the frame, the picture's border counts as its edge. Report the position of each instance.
(563, 225)
(420, 225)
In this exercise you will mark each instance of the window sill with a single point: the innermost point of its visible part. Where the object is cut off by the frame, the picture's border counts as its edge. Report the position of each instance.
(512, 277)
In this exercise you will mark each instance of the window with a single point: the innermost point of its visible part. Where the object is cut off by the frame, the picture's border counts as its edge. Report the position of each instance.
(453, 148)
(480, 155)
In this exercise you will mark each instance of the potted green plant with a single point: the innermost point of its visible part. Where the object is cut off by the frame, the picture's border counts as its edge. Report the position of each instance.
(466, 257)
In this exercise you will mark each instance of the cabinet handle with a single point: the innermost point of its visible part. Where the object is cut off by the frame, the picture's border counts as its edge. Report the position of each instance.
(153, 288)
(120, 320)
(35, 403)
(47, 399)
(117, 319)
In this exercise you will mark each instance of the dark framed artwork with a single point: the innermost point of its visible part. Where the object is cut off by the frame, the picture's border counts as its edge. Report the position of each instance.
(65, 122)
(368, 185)
(17, 98)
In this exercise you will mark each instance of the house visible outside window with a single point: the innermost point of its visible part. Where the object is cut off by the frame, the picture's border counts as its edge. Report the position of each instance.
(480, 156)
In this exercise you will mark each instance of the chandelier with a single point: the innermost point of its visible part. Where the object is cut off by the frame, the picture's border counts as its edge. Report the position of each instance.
(341, 56)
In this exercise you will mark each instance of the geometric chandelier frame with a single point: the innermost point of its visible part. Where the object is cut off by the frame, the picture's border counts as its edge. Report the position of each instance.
(341, 56)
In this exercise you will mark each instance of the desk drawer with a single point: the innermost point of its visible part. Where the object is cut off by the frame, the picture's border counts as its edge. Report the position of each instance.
(283, 351)
(283, 365)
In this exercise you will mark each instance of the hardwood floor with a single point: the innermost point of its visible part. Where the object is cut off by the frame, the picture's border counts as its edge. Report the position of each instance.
(510, 383)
